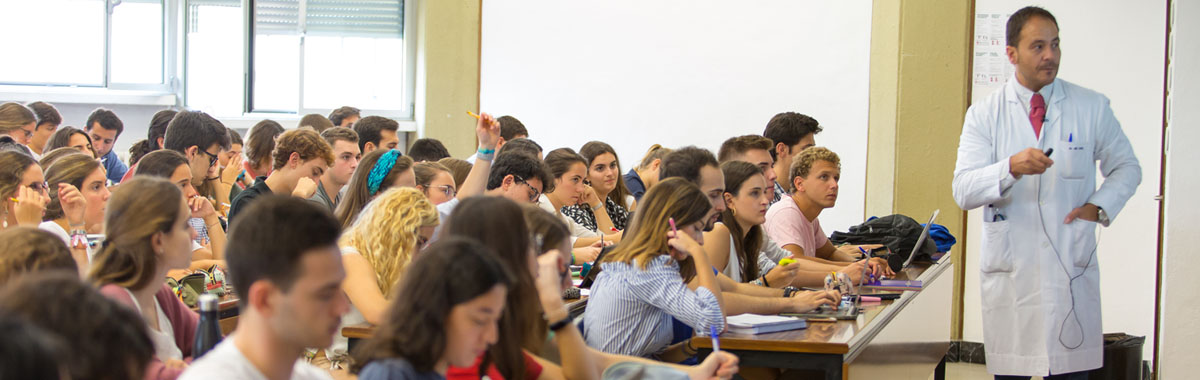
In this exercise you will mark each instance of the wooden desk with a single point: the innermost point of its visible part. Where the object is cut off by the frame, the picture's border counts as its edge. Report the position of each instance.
(356, 333)
(902, 339)
(227, 312)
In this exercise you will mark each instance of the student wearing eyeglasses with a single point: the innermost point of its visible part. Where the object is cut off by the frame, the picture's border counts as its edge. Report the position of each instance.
(200, 138)
(435, 181)
(22, 190)
(17, 121)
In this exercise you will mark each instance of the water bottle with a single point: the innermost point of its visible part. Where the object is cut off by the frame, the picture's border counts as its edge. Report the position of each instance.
(208, 332)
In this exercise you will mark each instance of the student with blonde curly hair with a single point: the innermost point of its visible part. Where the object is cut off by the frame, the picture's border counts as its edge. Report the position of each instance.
(377, 249)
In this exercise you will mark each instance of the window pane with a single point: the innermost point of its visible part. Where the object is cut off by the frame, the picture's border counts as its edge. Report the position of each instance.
(214, 57)
(67, 48)
(137, 42)
(354, 54)
(364, 72)
(276, 55)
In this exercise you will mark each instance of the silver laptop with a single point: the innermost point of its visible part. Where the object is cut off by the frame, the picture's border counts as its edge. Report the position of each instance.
(921, 240)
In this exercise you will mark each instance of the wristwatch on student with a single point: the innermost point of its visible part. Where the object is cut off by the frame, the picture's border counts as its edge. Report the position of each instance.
(789, 291)
(1102, 216)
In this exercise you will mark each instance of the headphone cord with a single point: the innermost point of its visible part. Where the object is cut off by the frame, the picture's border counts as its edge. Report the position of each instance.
(1071, 278)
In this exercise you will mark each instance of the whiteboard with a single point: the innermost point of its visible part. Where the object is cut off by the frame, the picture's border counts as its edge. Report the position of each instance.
(674, 72)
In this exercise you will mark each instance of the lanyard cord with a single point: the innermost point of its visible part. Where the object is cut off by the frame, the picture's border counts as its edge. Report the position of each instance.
(1072, 278)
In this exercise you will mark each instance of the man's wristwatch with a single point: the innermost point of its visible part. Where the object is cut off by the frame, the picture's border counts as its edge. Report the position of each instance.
(1102, 217)
(789, 291)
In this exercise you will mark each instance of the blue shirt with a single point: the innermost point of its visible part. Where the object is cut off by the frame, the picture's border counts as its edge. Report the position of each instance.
(116, 169)
(633, 182)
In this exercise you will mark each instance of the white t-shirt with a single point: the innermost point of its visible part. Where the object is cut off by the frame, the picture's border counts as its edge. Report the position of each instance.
(165, 347)
(225, 361)
(341, 344)
(577, 230)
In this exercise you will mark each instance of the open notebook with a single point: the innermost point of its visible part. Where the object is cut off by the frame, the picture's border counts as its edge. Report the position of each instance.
(762, 324)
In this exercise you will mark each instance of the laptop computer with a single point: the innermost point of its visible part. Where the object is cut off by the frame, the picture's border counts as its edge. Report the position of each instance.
(921, 240)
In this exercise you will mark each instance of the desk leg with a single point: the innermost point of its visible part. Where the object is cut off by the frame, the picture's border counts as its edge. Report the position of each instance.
(939, 373)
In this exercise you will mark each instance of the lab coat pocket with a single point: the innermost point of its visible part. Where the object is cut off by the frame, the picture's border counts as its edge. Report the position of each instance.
(997, 252)
(1076, 160)
(1083, 239)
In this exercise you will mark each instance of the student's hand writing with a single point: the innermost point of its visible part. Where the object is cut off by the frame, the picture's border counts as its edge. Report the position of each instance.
(854, 271)
(879, 267)
(1029, 161)
(29, 207)
(808, 300)
(305, 188)
(783, 275)
(683, 246)
(73, 204)
(232, 170)
(719, 365)
(586, 254)
(487, 130)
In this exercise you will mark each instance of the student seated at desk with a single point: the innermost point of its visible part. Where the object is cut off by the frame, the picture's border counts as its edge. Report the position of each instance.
(793, 224)
(147, 234)
(71, 137)
(287, 271)
(378, 171)
(521, 145)
(436, 182)
(605, 205)
(99, 338)
(647, 279)
(27, 250)
(346, 155)
(376, 252)
(570, 174)
(551, 263)
(301, 156)
(154, 138)
(77, 201)
(700, 168)
(645, 175)
(48, 120)
(428, 150)
(21, 179)
(173, 166)
(446, 312)
(260, 142)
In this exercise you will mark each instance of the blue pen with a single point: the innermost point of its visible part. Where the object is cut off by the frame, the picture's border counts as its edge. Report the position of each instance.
(1070, 137)
(716, 341)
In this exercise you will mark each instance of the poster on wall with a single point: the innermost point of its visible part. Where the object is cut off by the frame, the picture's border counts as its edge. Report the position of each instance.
(990, 66)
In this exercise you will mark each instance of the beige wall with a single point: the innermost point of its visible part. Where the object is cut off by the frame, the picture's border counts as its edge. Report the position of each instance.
(448, 72)
(920, 54)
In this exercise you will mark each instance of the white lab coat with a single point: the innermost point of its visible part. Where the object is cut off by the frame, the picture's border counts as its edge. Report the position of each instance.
(1025, 291)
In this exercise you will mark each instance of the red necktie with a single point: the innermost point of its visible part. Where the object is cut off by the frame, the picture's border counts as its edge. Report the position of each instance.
(1037, 113)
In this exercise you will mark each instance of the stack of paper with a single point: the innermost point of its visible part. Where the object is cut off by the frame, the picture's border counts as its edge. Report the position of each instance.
(762, 324)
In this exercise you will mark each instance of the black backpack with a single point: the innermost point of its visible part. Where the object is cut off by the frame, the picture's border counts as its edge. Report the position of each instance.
(897, 232)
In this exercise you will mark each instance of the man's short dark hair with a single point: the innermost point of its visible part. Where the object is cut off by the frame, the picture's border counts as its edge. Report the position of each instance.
(520, 165)
(101, 338)
(343, 112)
(46, 113)
(788, 128)
(686, 163)
(1016, 22)
(521, 145)
(369, 129)
(510, 128)
(158, 127)
(427, 149)
(739, 145)
(270, 238)
(195, 128)
(107, 119)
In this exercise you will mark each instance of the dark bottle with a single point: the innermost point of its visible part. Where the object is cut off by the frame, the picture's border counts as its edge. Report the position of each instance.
(208, 332)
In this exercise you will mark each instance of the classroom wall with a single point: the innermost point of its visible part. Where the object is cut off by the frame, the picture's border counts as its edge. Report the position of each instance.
(1180, 329)
(1127, 65)
(634, 73)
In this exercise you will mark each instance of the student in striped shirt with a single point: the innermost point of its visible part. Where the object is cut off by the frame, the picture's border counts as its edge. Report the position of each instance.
(648, 278)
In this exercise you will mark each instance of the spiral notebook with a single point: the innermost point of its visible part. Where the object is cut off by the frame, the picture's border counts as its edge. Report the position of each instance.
(762, 324)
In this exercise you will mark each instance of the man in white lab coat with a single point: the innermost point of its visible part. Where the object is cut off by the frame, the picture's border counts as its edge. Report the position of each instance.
(1039, 273)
